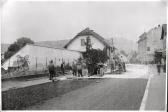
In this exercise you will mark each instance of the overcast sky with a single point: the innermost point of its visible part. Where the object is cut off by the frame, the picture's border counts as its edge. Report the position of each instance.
(44, 20)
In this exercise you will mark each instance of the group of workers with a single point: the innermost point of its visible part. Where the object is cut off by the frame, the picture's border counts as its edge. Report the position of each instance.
(117, 65)
(80, 68)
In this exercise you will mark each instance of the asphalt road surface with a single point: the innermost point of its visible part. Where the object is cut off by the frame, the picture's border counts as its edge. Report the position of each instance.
(106, 94)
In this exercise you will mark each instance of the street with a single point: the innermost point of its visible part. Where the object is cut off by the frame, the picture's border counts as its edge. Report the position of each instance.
(106, 94)
(126, 91)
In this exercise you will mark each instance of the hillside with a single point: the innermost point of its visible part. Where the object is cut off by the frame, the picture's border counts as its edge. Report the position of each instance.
(124, 44)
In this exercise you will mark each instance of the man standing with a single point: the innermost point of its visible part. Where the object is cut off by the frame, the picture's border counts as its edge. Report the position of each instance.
(74, 69)
(51, 69)
(158, 66)
(112, 65)
(163, 65)
(63, 68)
(123, 64)
(79, 69)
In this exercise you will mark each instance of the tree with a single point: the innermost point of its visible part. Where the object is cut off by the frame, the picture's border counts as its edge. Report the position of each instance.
(23, 41)
(16, 46)
(88, 44)
(94, 56)
(8, 54)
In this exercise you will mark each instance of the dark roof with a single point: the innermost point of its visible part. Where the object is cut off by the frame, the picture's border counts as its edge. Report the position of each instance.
(39, 46)
(143, 35)
(164, 31)
(87, 31)
(46, 46)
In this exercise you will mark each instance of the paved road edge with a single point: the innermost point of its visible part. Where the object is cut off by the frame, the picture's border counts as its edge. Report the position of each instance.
(144, 100)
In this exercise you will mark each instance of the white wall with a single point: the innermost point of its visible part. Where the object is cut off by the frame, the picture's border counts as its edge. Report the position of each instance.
(43, 55)
(76, 44)
(142, 50)
(153, 39)
(23, 52)
(153, 42)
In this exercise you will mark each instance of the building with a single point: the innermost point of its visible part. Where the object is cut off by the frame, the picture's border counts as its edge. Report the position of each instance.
(164, 37)
(142, 46)
(148, 43)
(161, 53)
(97, 42)
(38, 57)
(164, 40)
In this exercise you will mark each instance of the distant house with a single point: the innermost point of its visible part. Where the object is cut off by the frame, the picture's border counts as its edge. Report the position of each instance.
(162, 52)
(164, 36)
(142, 48)
(97, 42)
(37, 57)
(149, 43)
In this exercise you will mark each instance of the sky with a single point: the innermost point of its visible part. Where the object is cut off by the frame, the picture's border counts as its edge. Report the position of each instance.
(56, 20)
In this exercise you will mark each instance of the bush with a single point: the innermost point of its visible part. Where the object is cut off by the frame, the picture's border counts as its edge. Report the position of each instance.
(93, 57)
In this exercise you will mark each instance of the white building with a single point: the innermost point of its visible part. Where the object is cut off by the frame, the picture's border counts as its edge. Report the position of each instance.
(164, 38)
(142, 48)
(97, 42)
(39, 56)
(148, 43)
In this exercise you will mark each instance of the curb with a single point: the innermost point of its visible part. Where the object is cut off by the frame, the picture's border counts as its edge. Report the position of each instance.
(144, 100)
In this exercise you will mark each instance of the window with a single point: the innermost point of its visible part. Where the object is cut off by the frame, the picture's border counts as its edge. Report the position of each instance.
(82, 42)
(148, 48)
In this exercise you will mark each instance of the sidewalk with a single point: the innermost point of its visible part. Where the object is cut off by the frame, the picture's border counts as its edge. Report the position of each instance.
(156, 96)
(13, 84)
